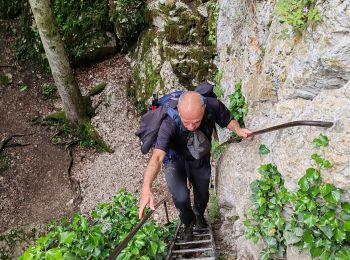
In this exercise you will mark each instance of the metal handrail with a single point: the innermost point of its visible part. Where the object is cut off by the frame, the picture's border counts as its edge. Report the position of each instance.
(125, 242)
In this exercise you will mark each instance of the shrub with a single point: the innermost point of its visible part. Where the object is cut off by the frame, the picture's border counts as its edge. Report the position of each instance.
(297, 13)
(110, 223)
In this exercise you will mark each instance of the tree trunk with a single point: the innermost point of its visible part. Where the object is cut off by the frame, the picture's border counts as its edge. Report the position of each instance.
(73, 103)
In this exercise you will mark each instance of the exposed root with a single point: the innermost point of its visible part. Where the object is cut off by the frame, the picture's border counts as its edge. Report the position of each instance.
(74, 183)
(5, 143)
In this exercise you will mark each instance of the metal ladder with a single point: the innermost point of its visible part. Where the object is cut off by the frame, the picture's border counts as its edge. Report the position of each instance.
(201, 247)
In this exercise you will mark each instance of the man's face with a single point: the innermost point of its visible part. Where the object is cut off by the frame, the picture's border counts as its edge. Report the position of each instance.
(192, 120)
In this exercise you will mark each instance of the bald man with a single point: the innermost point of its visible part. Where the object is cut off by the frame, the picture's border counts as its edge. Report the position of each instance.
(183, 148)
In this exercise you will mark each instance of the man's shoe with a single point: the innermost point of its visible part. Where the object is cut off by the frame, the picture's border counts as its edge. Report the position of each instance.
(188, 232)
(200, 221)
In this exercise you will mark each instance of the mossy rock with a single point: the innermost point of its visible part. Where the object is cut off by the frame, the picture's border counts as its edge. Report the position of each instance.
(147, 61)
(128, 18)
(191, 63)
(95, 48)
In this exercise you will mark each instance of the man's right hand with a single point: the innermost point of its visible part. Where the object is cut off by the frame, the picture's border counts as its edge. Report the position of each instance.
(147, 199)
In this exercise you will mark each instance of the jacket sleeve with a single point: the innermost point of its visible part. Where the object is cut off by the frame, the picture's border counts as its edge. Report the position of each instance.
(222, 115)
(166, 131)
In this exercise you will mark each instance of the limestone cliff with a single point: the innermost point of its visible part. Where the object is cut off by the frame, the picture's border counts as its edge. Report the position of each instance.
(301, 77)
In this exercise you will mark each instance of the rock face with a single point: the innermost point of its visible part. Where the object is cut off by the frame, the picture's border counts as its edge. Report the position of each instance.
(175, 52)
(303, 77)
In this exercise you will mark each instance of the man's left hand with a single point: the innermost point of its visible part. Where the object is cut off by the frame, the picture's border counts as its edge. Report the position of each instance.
(244, 133)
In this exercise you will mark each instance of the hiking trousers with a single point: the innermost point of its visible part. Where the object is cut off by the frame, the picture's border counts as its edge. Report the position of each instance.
(198, 172)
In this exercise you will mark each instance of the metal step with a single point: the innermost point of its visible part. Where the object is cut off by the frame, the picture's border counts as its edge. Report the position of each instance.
(202, 247)
(192, 250)
(193, 242)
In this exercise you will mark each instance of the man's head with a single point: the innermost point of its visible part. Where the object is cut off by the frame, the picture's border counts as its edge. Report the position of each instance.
(191, 109)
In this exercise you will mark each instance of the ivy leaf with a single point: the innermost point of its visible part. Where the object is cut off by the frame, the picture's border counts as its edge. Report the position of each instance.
(339, 235)
(326, 164)
(263, 150)
(153, 248)
(310, 220)
(66, 237)
(317, 158)
(312, 174)
(315, 251)
(304, 183)
(326, 189)
(308, 237)
(54, 254)
(322, 140)
(346, 225)
(291, 238)
(346, 207)
(334, 196)
(325, 256)
(343, 254)
(299, 231)
(28, 255)
(327, 230)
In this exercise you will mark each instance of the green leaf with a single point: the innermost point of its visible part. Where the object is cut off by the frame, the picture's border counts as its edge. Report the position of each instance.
(346, 225)
(343, 254)
(310, 220)
(308, 237)
(28, 255)
(326, 164)
(326, 189)
(263, 150)
(322, 140)
(327, 230)
(54, 254)
(291, 238)
(315, 251)
(153, 248)
(325, 256)
(339, 235)
(346, 207)
(303, 183)
(66, 237)
(312, 174)
(334, 196)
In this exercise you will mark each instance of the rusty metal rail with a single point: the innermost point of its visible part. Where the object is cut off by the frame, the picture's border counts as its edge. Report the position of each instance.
(125, 242)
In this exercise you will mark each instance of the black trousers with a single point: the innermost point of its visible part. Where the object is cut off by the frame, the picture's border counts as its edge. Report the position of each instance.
(198, 172)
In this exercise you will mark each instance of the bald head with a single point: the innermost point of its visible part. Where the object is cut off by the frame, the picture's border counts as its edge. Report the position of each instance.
(191, 108)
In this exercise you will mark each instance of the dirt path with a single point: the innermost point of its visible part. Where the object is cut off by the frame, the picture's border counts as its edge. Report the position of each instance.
(34, 186)
(101, 175)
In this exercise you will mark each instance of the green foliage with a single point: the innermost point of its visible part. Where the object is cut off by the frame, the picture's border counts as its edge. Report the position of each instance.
(213, 206)
(6, 79)
(321, 141)
(238, 107)
(213, 9)
(9, 9)
(110, 224)
(48, 91)
(319, 223)
(28, 45)
(82, 25)
(263, 150)
(216, 149)
(85, 135)
(297, 13)
(128, 16)
(219, 92)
